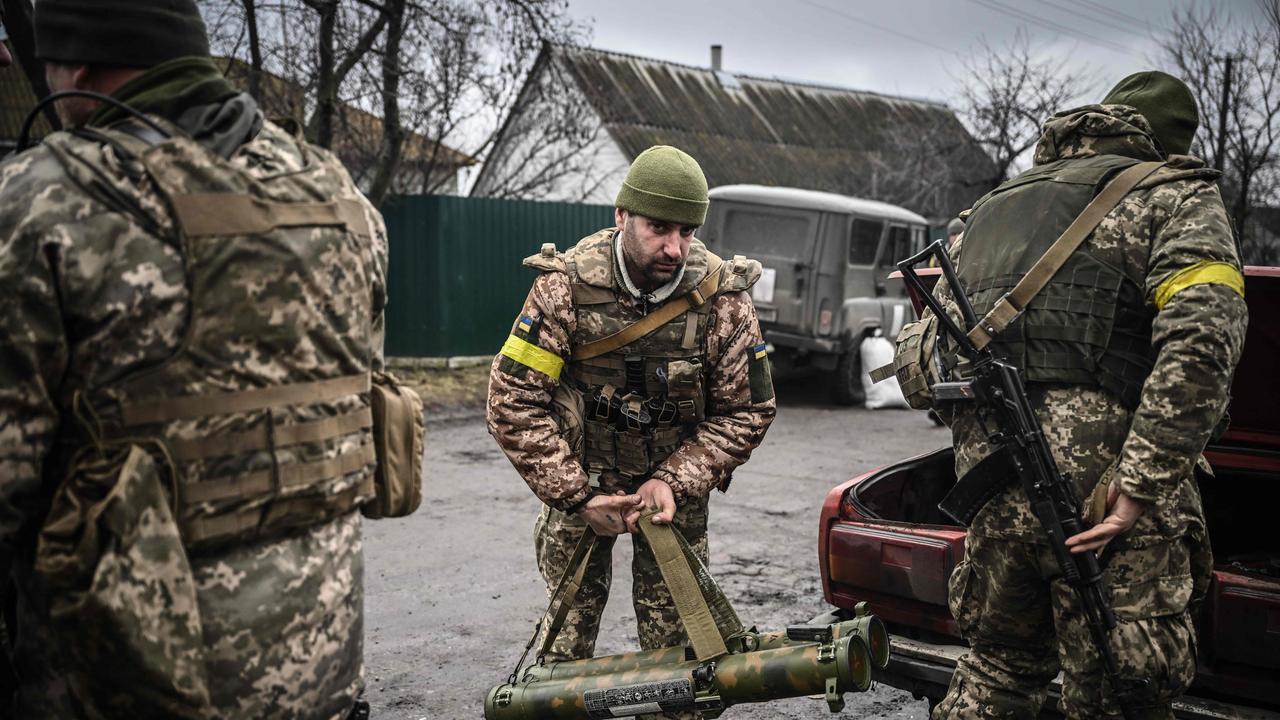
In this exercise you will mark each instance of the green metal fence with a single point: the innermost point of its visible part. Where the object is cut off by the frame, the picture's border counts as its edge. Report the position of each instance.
(454, 276)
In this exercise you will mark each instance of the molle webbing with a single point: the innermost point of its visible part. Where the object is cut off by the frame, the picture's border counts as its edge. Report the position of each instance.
(166, 409)
(222, 508)
(656, 319)
(1007, 308)
(266, 436)
(282, 479)
(249, 521)
(1061, 309)
(235, 214)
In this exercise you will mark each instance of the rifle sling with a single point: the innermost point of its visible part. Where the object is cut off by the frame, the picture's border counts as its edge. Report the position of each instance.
(649, 323)
(1009, 307)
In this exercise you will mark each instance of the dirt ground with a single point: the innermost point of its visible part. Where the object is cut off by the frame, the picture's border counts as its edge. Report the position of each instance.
(453, 592)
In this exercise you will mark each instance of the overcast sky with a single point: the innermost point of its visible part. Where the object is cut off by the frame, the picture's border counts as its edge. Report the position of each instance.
(901, 47)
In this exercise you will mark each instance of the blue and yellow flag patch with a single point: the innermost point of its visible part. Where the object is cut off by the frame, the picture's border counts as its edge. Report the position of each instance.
(759, 375)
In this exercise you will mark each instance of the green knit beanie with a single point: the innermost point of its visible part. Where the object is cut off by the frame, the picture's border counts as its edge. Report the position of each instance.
(126, 33)
(1166, 102)
(664, 183)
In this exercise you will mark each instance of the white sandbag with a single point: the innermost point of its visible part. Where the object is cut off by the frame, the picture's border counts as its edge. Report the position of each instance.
(876, 351)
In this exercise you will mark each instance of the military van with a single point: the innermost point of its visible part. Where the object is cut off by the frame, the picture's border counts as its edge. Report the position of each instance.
(826, 261)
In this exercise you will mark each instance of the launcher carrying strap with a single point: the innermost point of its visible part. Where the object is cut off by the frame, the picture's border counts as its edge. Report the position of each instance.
(707, 616)
(699, 623)
(1008, 308)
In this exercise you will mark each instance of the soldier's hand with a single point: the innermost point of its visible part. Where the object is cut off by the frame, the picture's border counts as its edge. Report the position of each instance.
(1122, 512)
(606, 514)
(655, 494)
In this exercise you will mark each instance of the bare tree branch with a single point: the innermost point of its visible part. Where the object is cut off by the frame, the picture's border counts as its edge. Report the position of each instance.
(1006, 93)
(1197, 48)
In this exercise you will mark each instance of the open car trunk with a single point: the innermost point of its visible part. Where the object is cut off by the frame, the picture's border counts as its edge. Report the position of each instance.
(882, 539)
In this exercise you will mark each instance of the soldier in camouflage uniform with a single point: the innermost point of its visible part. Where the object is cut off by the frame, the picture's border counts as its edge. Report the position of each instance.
(193, 309)
(1128, 354)
(660, 421)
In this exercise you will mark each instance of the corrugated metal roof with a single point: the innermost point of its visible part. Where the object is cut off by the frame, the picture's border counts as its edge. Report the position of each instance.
(778, 132)
(814, 200)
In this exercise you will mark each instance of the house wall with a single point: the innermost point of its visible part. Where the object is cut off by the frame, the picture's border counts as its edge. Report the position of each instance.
(534, 161)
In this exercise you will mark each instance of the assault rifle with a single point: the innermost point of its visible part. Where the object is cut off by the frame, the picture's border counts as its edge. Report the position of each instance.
(997, 387)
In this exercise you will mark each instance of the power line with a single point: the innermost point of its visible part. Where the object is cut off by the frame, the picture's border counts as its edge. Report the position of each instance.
(877, 26)
(1122, 16)
(1090, 18)
(1044, 22)
(1050, 25)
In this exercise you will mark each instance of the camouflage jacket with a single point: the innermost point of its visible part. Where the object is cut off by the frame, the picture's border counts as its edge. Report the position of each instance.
(93, 294)
(1167, 228)
(520, 417)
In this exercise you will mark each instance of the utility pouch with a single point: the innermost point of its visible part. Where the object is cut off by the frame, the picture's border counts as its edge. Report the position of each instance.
(632, 454)
(665, 441)
(914, 362)
(122, 598)
(598, 447)
(567, 409)
(684, 388)
(399, 437)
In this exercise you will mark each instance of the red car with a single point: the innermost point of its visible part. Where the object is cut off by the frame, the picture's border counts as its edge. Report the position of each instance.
(882, 539)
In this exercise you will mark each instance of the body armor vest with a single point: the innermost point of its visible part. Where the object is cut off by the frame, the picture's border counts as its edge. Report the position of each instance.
(641, 401)
(1090, 324)
(262, 413)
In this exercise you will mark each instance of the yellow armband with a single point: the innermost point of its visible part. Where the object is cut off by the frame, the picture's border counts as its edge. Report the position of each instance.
(530, 355)
(1202, 273)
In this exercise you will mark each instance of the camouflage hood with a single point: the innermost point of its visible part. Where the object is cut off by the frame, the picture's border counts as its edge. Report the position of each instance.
(1093, 130)
(1096, 130)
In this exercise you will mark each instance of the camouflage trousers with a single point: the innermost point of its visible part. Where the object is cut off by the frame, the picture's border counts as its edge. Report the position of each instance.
(555, 536)
(281, 622)
(1023, 624)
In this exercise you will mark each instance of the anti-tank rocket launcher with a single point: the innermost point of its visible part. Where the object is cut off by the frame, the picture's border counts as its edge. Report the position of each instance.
(725, 664)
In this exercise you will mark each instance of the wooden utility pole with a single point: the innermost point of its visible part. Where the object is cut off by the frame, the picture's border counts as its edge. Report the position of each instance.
(1222, 114)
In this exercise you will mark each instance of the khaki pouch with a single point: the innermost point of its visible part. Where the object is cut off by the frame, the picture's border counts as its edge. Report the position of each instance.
(122, 598)
(684, 388)
(399, 438)
(914, 363)
(567, 408)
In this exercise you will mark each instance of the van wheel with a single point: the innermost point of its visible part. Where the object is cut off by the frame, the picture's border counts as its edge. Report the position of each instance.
(846, 379)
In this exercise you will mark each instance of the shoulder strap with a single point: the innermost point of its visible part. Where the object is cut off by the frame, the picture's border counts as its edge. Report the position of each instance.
(1008, 308)
(654, 320)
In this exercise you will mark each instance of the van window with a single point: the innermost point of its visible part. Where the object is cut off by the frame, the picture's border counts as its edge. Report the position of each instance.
(898, 246)
(864, 239)
(768, 234)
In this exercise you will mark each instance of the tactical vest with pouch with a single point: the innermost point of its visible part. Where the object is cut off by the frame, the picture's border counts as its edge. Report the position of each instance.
(625, 410)
(262, 415)
(1090, 324)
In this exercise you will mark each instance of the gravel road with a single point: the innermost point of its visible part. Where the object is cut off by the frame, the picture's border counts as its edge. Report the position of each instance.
(453, 592)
